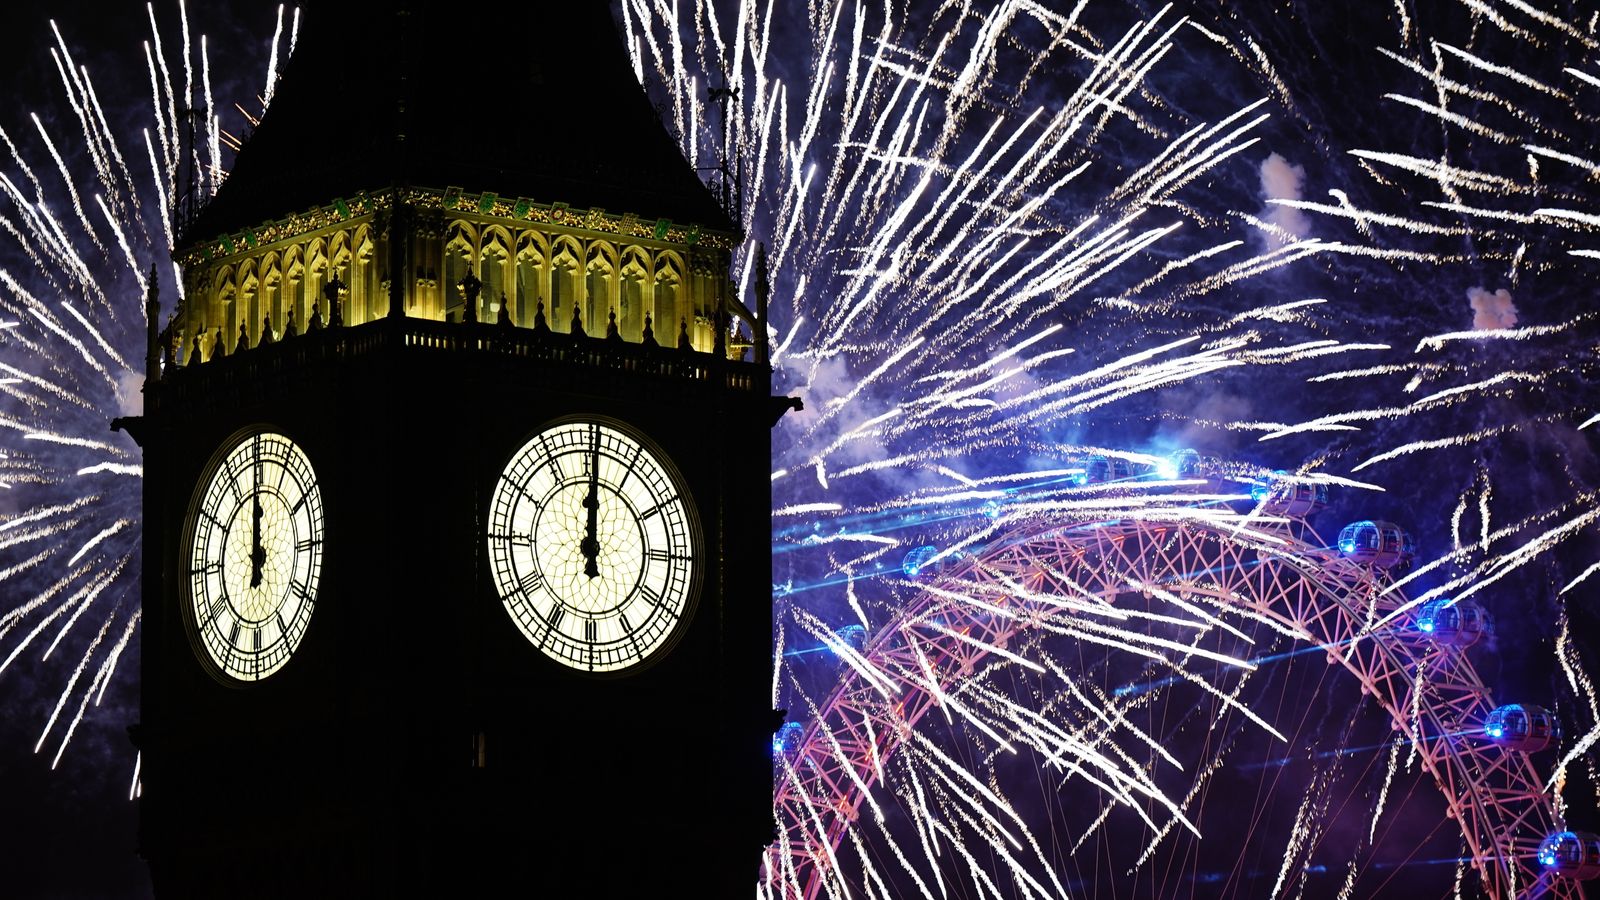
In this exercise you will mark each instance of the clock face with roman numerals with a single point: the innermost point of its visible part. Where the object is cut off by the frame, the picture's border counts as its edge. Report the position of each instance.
(594, 546)
(254, 556)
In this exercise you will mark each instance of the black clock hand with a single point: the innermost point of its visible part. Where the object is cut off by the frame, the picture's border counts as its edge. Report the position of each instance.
(258, 556)
(591, 544)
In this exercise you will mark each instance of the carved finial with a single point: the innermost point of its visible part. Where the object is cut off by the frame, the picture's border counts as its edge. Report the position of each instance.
(266, 332)
(504, 320)
(316, 318)
(243, 343)
(763, 300)
(152, 314)
(289, 328)
(683, 335)
(719, 341)
(649, 338)
(577, 322)
(470, 285)
(612, 332)
(166, 349)
(194, 352)
(219, 349)
(539, 323)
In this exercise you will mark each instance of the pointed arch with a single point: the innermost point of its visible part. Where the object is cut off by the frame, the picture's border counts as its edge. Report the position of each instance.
(599, 286)
(635, 292)
(533, 260)
(494, 269)
(565, 263)
(460, 257)
(669, 298)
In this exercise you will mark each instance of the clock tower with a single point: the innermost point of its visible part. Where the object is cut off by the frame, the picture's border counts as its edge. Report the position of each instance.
(456, 529)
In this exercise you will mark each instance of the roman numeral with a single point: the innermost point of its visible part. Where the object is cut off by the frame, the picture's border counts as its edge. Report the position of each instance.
(650, 594)
(209, 568)
(531, 582)
(256, 639)
(589, 630)
(551, 458)
(307, 544)
(218, 607)
(233, 636)
(627, 627)
(555, 615)
(663, 556)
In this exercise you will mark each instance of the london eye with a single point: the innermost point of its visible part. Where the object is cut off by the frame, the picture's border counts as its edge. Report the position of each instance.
(1106, 676)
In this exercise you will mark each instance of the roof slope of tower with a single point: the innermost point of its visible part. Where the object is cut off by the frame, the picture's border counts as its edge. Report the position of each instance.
(523, 99)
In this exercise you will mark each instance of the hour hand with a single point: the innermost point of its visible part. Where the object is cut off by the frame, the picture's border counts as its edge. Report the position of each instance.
(590, 546)
(258, 554)
(591, 502)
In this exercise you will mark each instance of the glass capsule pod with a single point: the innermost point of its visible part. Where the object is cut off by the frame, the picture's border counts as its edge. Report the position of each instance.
(1102, 469)
(917, 560)
(1526, 728)
(787, 740)
(1383, 545)
(1181, 464)
(1458, 624)
(1571, 854)
(852, 636)
(1281, 496)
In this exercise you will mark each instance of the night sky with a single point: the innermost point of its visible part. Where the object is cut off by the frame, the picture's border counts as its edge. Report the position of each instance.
(70, 832)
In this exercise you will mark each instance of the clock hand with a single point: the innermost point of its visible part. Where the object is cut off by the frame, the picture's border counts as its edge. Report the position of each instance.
(591, 544)
(258, 556)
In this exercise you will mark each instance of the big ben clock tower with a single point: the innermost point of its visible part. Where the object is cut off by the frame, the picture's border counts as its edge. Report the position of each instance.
(456, 561)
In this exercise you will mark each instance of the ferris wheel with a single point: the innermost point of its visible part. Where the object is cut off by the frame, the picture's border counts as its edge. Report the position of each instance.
(1141, 656)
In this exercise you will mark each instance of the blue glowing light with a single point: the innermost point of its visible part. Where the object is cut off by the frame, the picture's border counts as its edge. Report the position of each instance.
(1495, 731)
(1259, 491)
(787, 740)
(917, 560)
(1347, 546)
(852, 636)
(1426, 624)
(1167, 470)
(1548, 856)
(1080, 478)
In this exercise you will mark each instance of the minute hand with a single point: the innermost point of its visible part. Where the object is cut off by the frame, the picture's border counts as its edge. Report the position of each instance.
(590, 546)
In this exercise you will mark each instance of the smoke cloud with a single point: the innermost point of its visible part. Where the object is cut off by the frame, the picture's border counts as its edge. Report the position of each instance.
(1282, 181)
(1491, 312)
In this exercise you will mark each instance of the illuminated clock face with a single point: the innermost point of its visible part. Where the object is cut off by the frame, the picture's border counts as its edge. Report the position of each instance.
(593, 546)
(254, 557)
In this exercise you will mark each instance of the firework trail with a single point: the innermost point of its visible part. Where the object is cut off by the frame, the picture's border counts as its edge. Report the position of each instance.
(1009, 239)
(87, 223)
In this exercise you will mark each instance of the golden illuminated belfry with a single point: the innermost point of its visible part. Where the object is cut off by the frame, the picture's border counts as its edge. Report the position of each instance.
(524, 255)
(456, 522)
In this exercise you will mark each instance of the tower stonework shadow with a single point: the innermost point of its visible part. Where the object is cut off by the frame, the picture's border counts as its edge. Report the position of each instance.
(456, 514)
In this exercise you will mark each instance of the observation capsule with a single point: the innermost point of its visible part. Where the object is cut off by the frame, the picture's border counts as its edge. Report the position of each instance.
(1102, 469)
(1380, 544)
(852, 636)
(1457, 624)
(917, 560)
(1571, 854)
(1279, 495)
(1181, 464)
(787, 740)
(1525, 728)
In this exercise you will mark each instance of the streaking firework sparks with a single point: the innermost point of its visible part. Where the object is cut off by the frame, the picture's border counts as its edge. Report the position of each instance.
(1010, 244)
(89, 219)
(1011, 241)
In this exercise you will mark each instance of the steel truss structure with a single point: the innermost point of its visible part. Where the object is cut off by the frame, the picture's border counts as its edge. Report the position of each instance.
(1037, 571)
